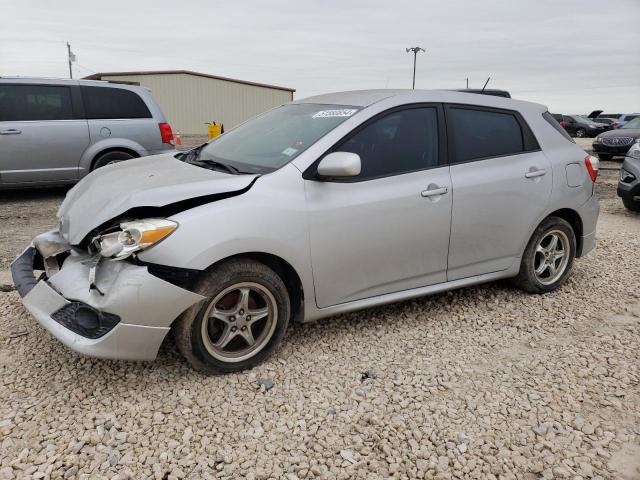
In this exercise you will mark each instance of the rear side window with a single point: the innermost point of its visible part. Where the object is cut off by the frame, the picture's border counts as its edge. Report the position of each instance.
(550, 118)
(399, 142)
(630, 117)
(105, 103)
(35, 102)
(481, 133)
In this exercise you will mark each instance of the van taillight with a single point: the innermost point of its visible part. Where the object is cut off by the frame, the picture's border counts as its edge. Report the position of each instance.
(166, 133)
(592, 164)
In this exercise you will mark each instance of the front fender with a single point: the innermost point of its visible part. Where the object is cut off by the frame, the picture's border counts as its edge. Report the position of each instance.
(269, 218)
(105, 144)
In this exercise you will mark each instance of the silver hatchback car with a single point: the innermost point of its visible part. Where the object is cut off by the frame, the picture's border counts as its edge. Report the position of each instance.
(322, 206)
(57, 131)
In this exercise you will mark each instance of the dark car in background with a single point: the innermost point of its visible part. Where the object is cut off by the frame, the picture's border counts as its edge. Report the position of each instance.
(629, 183)
(607, 121)
(579, 126)
(617, 142)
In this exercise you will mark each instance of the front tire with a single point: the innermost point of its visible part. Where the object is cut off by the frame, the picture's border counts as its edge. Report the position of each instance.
(581, 133)
(548, 258)
(631, 205)
(606, 157)
(242, 321)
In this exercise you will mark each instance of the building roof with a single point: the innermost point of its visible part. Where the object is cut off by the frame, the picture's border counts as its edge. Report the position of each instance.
(100, 75)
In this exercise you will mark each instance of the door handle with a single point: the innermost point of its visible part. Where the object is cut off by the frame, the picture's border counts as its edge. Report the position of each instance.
(10, 131)
(535, 173)
(432, 192)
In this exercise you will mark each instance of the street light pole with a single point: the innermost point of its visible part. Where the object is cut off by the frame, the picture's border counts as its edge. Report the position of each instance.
(415, 51)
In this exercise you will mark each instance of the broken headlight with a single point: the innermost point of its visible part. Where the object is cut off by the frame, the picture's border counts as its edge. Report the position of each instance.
(133, 237)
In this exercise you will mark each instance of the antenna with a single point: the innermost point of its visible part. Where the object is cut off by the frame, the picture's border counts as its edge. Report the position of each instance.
(485, 84)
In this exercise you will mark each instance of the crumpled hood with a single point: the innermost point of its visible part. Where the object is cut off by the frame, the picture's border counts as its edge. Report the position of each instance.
(155, 181)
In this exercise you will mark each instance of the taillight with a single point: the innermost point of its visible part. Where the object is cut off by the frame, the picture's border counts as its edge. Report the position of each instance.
(562, 124)
(166, 133)
(592, 164)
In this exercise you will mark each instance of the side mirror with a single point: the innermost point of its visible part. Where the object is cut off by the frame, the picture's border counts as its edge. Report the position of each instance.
(340, 164)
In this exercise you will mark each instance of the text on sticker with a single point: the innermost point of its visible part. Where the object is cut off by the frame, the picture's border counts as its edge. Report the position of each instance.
(344, 112)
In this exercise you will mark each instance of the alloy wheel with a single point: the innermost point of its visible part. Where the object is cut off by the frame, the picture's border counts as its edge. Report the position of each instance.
(239, 322)
(551, 257)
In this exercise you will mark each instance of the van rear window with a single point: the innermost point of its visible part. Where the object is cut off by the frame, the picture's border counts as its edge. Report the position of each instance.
(106, 102)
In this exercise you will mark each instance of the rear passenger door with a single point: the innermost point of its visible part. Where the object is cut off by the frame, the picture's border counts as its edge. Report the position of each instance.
(42, 133)
(501, 186)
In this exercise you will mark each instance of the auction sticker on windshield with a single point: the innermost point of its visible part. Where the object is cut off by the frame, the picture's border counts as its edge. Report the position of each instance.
(344, 112)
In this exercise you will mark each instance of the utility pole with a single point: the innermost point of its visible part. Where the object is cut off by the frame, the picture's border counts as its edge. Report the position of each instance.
(467, 83)
(415, 51)
(72, 58)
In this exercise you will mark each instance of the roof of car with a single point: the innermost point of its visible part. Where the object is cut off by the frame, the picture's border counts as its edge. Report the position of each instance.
(365, 98)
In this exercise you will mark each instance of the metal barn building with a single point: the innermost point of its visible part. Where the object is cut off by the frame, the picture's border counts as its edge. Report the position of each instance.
(191, 99)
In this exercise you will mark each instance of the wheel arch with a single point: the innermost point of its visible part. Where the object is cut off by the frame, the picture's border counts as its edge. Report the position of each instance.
(573, 218)
(284, 270)
(130, 151)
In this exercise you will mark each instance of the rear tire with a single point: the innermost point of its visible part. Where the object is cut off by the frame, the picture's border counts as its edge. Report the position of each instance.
(603, 156)
(631, 205)
(219, 335)
(546, 263)
(111, 157)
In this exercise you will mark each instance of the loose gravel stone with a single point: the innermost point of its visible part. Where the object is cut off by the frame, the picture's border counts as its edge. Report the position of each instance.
(480, 383)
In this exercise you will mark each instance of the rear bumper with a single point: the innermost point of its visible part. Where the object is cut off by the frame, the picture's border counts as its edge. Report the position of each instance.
(588, 212)
(143, 305)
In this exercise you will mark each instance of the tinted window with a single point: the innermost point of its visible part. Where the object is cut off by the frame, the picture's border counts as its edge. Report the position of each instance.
(551, 118)
(481, 134)
(35, 102)
(399, 142)
(630, 117)
(103, 102)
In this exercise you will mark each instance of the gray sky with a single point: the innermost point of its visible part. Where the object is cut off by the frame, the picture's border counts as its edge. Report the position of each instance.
(572, 55)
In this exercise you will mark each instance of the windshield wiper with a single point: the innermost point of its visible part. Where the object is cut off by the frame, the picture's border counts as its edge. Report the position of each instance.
(218, 165)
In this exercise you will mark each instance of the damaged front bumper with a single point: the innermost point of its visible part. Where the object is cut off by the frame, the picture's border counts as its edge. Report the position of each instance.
(119, 310)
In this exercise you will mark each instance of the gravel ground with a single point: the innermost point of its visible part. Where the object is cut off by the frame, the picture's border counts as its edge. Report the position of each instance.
(485, 382)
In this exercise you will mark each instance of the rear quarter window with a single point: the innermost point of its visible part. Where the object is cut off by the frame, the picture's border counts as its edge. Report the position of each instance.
(552, 121)
(106, 103)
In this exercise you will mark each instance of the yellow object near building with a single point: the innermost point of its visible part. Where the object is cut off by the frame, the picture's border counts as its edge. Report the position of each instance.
(214, 129)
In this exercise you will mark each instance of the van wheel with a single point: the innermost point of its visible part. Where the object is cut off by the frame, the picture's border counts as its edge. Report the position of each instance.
(242, 321)
(111, 157)
(548, 258)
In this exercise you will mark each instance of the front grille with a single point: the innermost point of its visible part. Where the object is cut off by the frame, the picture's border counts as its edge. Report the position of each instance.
(617, 141)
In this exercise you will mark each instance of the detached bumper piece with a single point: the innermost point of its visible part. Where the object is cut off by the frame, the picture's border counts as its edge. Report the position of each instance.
(85, 320)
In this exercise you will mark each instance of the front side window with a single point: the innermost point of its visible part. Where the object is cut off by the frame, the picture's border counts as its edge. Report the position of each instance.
(481, 133)
(109, 103)
(271, 140)
(34, 102)
(400, 142)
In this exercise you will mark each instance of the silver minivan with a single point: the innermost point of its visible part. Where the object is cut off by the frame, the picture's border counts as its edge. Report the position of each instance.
(57, 131)
(326, 205)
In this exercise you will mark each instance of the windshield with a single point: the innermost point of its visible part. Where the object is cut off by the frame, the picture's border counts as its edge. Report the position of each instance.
(270, 141)
(635, 124)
